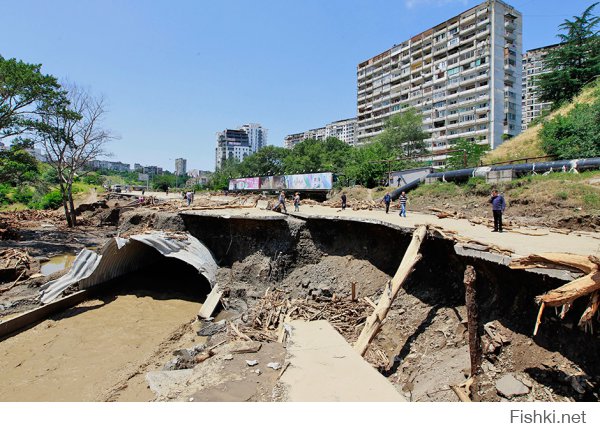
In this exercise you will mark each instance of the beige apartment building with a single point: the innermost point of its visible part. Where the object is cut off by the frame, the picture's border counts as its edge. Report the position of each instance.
(533, 67)
(463, 76)
(343, 130)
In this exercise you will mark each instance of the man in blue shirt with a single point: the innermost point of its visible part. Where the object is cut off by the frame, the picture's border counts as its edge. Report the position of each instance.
(498, 206)
(387, 199)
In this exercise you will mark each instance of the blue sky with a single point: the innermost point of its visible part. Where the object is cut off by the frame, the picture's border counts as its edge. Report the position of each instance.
(176, 72)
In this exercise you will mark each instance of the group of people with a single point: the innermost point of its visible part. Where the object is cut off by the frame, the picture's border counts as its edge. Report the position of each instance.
(281, 202)
(496, 200)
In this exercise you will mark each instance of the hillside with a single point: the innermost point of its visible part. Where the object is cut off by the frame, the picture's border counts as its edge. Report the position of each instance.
(527, 143)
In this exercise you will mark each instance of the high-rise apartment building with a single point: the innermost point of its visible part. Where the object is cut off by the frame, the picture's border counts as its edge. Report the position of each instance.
(257, 136)
(463, 76)
(232, 143)
(533, 67)
(342, 129)
(180, 166)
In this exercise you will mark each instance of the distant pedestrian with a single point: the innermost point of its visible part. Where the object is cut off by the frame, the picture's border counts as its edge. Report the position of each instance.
(188, 197)
(402, 201)
(387, 199)
(167, 192)
(281, 202)
(143, 191)
(296, 202)
(498, 206)
(344, 201)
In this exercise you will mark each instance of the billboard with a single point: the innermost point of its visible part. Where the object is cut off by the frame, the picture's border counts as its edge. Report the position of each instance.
(315, 181)
(249, 183)
(310, 181)
(272, 182)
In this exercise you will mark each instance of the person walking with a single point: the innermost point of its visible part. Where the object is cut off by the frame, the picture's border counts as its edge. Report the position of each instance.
(296, 202)
(188, 197)
(344, 201)
(403, 200)
(387, 199)
(498, 206)
(281, 202)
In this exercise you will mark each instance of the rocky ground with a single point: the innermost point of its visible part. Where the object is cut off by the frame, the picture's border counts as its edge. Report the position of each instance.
(422, 348)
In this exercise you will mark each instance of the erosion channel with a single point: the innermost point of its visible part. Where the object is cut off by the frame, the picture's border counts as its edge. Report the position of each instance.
(102, 348)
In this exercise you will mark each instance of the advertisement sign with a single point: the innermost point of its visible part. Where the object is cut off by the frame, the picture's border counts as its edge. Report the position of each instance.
(311, 181)
(272, 182)
(249, 183)
(316, 181)
(142, 177)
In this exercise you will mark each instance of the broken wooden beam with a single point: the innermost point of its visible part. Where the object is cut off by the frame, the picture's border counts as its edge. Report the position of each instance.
(374, 322)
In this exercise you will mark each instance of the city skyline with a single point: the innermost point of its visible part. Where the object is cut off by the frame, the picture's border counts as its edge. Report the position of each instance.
(167, 75)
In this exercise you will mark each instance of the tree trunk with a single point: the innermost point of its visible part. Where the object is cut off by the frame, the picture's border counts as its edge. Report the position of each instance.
(63, 194)
(375, 321)
(72, 206)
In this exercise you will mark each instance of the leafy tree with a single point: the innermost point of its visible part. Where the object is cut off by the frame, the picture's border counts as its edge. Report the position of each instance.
(403, 134)
(72, 134)
(575, 62)
(313, 155)
(23, 90)
(17, 165)
(363, 166)
(267, 159)
(230, 168)
(473, 151)
(575, 135)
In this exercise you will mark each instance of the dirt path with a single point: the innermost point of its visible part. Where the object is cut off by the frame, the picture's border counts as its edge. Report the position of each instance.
(543, 241)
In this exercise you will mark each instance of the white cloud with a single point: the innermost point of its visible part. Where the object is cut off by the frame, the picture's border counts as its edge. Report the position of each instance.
(412, 4)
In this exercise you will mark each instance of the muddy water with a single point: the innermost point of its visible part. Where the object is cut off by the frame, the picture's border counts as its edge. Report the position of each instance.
(57, 263)
(84, 352)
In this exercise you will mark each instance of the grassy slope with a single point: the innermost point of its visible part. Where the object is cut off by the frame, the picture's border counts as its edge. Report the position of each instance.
(564, 190)
(527, 144)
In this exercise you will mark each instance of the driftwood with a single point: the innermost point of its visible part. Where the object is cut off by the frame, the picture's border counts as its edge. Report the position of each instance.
(568, 293)
(374, 322)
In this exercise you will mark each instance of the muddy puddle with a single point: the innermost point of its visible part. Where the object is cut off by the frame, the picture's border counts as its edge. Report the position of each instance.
(88, 352)
(57, 263)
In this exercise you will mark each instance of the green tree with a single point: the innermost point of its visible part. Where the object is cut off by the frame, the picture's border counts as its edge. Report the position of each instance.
(230, 168)
(575, 135)
(403, 134)
(575, 62)
(313, 155)
(267, 159)
(72, 134)
(363, 166)
(17, 165)
(466, 151)
(23, 90)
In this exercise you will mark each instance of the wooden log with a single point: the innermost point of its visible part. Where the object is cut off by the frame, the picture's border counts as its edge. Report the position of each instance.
(472, 320)
(555, 261)
(571, 291)
(374, 322)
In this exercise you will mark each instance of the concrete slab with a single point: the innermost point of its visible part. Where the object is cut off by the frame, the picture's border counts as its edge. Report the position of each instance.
(161, 382)
(325, 368)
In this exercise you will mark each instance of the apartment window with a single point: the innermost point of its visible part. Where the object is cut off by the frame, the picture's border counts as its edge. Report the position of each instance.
(453, 71)
(453, 41)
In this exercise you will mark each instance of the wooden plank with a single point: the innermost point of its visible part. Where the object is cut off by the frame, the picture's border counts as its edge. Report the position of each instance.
(374, 322)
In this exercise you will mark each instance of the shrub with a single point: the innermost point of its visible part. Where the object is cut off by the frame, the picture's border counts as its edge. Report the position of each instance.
(51, 200)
